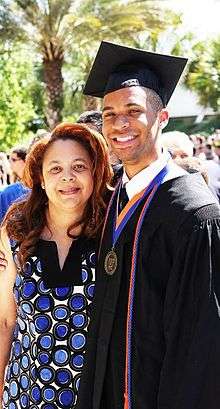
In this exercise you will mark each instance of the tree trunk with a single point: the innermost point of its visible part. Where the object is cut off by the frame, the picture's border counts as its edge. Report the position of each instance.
(91, 103)
(54, 90)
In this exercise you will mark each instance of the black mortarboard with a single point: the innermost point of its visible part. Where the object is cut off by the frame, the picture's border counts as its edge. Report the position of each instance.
(117, 67)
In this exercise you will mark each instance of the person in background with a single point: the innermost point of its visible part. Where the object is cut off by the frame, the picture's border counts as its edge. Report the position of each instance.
(17, 162)
(181, 148)
(193, 164)
(6, 177)
(213, 168)
(46, 290)
(93, 119)
(177, 143)
(199, 142)
(2, 177)
(15, 190)
(154, 338)
(216, 145)
(40, 134)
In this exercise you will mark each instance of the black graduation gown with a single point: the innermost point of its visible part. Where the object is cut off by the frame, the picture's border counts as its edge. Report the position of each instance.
(175, 349)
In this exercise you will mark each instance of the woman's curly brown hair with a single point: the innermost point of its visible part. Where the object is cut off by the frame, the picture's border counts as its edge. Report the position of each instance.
(26, 219)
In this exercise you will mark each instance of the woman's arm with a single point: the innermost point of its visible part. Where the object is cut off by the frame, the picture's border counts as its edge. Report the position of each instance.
(7, 306)
(3, 261)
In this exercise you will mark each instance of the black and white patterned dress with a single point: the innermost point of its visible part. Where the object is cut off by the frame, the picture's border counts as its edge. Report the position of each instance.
(53, 310)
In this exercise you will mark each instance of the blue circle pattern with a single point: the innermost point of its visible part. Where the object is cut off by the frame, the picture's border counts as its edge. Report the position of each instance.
(12, 405)
(43, 358)
(47, 353)
(24, 382)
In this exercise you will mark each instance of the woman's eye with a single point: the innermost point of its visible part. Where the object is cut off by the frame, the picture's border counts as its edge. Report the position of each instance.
(56, 169)
(79, 167)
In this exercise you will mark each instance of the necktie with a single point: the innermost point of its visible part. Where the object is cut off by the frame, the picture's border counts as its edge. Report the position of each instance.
(123, 198)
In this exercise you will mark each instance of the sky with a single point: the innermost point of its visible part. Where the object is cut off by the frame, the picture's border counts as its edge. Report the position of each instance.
(201, 17)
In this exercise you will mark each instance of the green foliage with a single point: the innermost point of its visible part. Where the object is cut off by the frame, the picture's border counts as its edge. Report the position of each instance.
(71, 27)
(16, 108)
(36, 89)
(68, 32)
(132, 23)
(204, 73)
(188, 125)
(10, 28)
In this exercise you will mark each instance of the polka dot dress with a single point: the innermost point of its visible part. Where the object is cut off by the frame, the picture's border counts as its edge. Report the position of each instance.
(48, 349)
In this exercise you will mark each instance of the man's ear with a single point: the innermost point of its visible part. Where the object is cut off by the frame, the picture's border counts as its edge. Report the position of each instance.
(163, 118)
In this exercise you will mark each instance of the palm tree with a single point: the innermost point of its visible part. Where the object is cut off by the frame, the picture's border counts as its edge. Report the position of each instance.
(136, 23)
(55, 26)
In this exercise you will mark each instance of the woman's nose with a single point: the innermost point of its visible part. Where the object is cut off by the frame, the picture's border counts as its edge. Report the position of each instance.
(68, 176)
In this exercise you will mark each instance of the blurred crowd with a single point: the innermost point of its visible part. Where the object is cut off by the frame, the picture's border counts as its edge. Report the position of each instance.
(194, 153)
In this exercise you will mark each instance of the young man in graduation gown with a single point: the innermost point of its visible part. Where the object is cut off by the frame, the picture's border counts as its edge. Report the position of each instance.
(155, 331)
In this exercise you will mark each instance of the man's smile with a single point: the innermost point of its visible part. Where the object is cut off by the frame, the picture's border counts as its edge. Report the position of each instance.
(124, 138)
(123, 141)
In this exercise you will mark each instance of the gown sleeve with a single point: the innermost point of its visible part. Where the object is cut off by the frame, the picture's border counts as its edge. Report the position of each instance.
(190, 375)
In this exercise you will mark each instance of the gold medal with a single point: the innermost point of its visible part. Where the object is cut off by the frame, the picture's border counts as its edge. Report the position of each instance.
(111, 262)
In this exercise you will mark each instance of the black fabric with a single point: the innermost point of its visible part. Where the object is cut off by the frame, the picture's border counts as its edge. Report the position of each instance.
(123, 198)
(118, 172)
(117, 67)
(134, 75)
(176, 325)
(71, 273)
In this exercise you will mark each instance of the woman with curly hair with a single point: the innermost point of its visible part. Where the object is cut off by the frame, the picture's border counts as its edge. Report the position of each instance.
(46, 290)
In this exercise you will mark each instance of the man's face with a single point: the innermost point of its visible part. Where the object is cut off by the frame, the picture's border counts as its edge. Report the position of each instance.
(131, 124)
(17, 164)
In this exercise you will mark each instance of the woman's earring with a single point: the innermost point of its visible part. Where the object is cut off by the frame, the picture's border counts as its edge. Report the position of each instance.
(42, 185)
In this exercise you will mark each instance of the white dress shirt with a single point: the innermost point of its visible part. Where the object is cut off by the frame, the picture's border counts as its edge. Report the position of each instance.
(146, 175)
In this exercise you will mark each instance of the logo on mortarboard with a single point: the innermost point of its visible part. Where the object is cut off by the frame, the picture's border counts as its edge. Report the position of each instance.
(131, 83)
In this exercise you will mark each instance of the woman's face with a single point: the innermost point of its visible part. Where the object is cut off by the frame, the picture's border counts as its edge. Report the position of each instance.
(67, 176)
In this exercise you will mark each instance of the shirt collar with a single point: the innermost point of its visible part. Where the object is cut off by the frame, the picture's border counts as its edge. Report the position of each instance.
(146, 175)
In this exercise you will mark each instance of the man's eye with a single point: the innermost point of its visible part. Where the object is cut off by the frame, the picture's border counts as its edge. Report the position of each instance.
(134, 111)
(108, 115)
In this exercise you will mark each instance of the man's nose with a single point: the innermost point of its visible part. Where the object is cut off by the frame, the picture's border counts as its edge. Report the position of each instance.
(121, 122)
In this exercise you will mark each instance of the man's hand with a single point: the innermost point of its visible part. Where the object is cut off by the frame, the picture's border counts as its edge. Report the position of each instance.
(3, 264)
